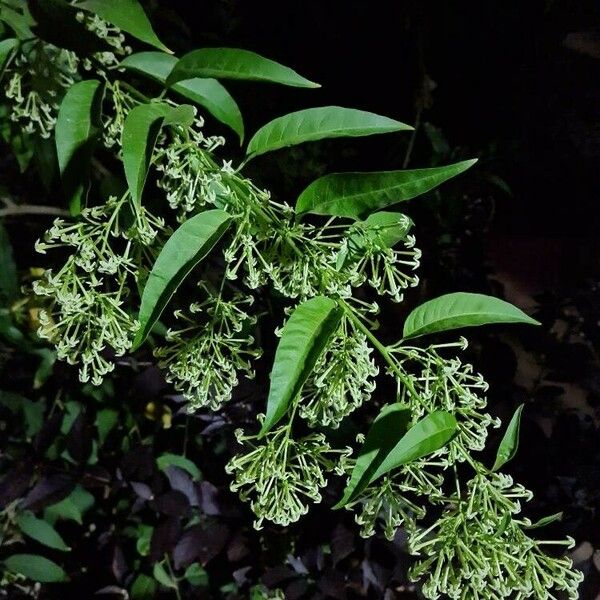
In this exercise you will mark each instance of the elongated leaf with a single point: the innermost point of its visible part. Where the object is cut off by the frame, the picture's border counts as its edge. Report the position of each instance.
(425, 437)
(73, 507)
(127, 15)
(77, 128)
(41, 531)
(387, 428)
(6, 49)
(318, 123)
(188, 245)
(461, 309)
(141, 128)
(545, 521)
(208, 93)
(510, 442)
(232, 63)
(36, 568)
(161, 575)
(357, 195)
(19, 22)
(303, 339)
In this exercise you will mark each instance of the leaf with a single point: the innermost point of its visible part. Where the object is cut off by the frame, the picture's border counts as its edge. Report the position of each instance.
(188, 245)
(6, 50)
(76, 131)
(510, 442)
(143, 588)
(140, 131)
(196, 575)
(73, 507)
(388, 426)
(161, 575)
(356, 195)
(167, 460)
(35, 567)
(232, 63)
(127, 15)
(106, 419)
(303, 339)
(546, 521)
(318, 123)
(425, 437)
(41, 531)
(19, 22)
(461, 309)
(383, 228)
(208, 93)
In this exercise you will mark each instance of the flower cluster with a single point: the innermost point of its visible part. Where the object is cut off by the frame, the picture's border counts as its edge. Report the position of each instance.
(280, 475)
(203, 359)
(342, 380)
(447, 384)
(477, 550)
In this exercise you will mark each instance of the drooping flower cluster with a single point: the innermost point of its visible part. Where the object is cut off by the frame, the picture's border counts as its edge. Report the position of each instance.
(280, 475)
(203, 359)
(477, 549)
(342, 380)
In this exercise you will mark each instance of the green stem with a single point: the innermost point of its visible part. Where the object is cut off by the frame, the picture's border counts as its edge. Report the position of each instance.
(134, 92)
(356, 321)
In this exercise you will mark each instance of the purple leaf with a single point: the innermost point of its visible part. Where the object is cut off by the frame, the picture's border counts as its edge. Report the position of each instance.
(172, 503)
(200, 542)
(181, 481)
(15, 483)
(164, 538)
(142, 490)
(49, 490)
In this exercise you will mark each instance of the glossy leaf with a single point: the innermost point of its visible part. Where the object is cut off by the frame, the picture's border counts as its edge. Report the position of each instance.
(41, 531)
(127, 15)
(461, 309)
(36, 568)
(319, 123)
(510, 441)
(303, 339)
(208, 93)
(546, 521)
(233, 63)
(390, 424)
(141, 128)
(357, 195)
(76, 131)
(6, 49)
(19, 22)
(188, 245)
(161, 575)
(425, 437)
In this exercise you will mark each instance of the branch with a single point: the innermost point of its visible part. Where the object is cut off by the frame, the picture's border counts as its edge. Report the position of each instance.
(31, 209)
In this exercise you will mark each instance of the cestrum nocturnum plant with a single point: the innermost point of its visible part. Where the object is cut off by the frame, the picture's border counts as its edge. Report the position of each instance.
(183, 212)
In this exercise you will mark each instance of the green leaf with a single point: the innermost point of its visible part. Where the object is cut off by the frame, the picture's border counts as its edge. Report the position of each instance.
(106, 419)
(385, 229)
(140, 130)
(76, 132)
(425, 437)
(188, 245)
(41, 531)
(461, 309)
(318, 123)
(6, 50)
(33, 415)
(71, 508)
(36, 567)
(232, 63)
(143, 588)
(208, 93)
(356, 195)
(546, 521)
(161, 575)
(19, 22)
(303, 339)
(196, 575)
(9, 279)
(127, 15)
(388, 426)
(166, 460)
(510, 442)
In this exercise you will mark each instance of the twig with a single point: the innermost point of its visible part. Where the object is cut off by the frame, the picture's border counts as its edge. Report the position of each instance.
(31, 209)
